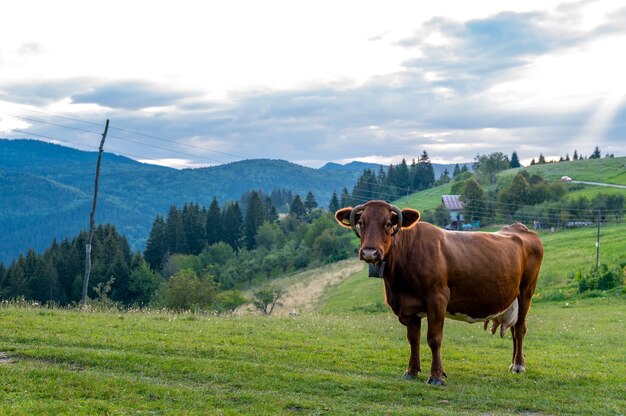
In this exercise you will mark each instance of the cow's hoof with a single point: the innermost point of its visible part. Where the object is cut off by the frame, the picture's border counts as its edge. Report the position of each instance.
(516, 368)
(434, 381)
(409, 376)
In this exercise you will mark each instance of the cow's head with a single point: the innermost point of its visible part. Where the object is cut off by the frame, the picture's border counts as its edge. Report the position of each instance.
(376, 223)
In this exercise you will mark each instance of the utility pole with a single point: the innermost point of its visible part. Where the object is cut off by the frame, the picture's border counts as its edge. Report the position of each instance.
(598, 240)
(91, 219)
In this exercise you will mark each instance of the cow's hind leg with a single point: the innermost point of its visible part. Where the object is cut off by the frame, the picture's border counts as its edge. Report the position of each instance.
(435, 317)
(518, 364)
(413, 334)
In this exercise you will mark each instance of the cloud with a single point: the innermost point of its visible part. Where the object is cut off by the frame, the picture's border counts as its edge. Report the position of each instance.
(131, 95)
(37, 92)
(30, 48)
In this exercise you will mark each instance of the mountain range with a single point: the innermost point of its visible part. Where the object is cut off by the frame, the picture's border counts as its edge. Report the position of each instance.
(47, 190)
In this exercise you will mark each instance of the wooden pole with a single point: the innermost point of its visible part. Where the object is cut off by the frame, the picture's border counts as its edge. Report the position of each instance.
(91, 219)
(598, 240)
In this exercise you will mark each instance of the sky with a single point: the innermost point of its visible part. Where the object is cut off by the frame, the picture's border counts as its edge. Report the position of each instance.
(200, 83)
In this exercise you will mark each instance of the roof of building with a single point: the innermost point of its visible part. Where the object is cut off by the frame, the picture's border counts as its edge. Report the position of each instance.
(452, 202)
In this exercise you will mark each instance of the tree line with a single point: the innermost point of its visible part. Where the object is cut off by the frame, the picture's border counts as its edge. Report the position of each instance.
(196, 257)
(397, 180)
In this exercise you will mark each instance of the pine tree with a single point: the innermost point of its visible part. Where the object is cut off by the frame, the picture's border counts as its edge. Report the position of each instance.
(457, 170)
(365, 188)
(333, 206)
(596, 153)
(514, 163)
(425, 174)
(309, 202)
(542, 159)
(233, 225)
(175, 232)
(575, 154)
(156, 246)
(403, 177)
(297, 208)
(213, 223)
(194, 225)
(255, 216)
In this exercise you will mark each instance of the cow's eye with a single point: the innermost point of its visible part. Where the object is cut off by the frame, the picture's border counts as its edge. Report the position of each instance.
(360, 223)
(388, 225)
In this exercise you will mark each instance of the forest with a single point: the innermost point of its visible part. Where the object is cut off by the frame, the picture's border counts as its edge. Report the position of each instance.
(204, 258)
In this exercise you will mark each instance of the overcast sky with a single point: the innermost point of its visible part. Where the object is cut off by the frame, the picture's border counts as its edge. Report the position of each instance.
(196, 83)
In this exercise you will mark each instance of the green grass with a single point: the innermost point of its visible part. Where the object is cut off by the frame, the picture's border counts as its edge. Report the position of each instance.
(67, 362)
(423, 200)
(567, 251)
(611, 170)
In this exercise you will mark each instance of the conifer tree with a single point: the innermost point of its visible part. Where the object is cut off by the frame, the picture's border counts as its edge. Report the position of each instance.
(232, 220)
(514, 162)
(175, 232)
(333, 206)
(213, 223)
(194, 226)
(255, 216)
(542, 159)
(156, 246)
(309, 202)
(456, 171)
(425, 174)
(596, 153)
(297, 208)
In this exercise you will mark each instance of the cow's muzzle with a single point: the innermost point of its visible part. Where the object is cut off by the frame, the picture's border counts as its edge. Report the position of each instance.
(370, 255)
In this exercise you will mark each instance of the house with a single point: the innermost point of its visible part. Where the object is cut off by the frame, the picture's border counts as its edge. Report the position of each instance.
(454, 206)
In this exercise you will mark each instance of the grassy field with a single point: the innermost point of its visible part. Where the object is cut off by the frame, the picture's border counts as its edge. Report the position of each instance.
(611, 170)
(67, 362)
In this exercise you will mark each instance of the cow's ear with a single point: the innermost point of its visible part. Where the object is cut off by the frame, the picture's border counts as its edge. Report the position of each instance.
(410, 217)
(343, 216)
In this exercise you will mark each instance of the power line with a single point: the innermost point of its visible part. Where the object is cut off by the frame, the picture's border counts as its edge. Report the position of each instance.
(127, 131)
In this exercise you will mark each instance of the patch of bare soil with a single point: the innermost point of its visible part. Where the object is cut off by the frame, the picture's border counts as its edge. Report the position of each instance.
(303, 290)
(302, 296)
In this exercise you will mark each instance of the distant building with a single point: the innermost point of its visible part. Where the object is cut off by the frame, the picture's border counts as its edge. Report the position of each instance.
(454, 205)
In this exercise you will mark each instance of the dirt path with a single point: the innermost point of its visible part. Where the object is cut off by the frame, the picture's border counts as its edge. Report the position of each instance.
(304, 289)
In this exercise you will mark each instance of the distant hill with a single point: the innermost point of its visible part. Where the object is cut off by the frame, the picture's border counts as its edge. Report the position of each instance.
(47, 191)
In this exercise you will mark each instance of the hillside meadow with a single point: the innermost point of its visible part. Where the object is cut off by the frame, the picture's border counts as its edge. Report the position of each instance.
(87, 363)
(347, 356)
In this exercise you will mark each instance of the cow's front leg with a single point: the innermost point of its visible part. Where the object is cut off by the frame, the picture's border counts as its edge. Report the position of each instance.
(434, 336)
(413, 334)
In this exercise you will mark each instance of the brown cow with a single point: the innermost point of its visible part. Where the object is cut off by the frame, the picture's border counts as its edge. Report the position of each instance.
(433, 273)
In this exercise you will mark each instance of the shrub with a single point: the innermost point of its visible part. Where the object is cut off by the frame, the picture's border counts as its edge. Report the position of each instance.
(600, 278)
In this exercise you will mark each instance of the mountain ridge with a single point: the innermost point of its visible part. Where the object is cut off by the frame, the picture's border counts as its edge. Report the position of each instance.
(47, 190)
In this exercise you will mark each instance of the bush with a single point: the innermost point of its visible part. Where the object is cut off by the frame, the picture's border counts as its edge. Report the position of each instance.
(186, 291)
(601, 278)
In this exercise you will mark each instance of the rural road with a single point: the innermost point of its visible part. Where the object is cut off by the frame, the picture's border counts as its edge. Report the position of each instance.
(612, 185)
